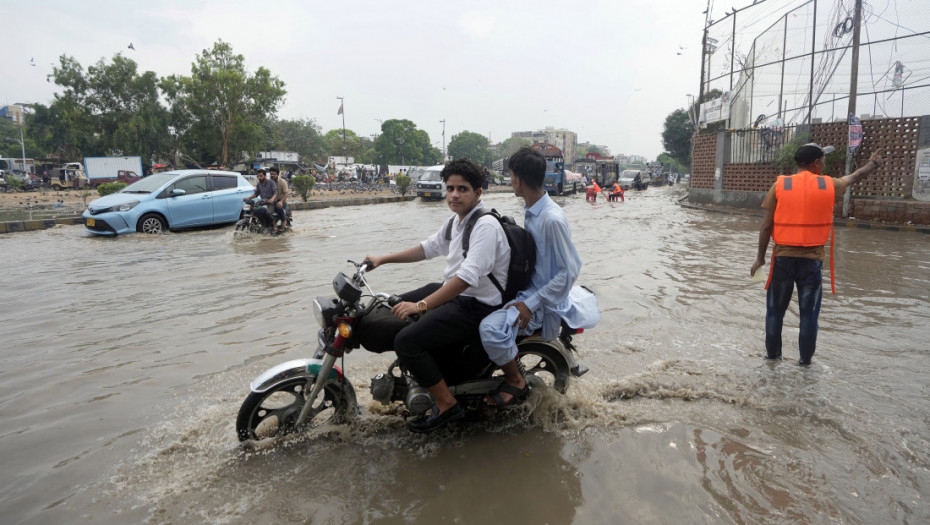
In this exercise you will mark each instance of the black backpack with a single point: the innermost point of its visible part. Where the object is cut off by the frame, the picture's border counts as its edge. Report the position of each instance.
(522, 251)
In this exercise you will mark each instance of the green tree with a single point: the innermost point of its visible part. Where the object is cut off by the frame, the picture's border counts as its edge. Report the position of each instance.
(470, 145)
(671, 164)
(401, 142)
(511, 145)
(302, 136)
(676, 136)
(10, 145)
(64, 130)
(116, 108)
(221, 110)
(334, 144)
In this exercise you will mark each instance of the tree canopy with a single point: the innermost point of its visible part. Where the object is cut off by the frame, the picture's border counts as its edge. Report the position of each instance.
(511, 145)
(676, 136)
(401, 142)
(470, 145)
(221, 108)
(107, 109)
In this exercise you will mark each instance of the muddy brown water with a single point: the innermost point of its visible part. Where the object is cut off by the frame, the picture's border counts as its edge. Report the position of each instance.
(124, 362)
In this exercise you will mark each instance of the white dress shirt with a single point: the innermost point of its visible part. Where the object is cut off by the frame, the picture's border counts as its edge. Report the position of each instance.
(488, 252)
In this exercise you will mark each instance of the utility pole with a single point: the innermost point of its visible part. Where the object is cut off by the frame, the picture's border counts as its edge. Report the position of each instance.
(345, 151)
(703, 53)
(810, 101)
(443, 122)
(853, 89)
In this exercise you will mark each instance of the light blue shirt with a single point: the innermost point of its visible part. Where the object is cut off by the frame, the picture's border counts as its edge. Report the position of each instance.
(551, 295)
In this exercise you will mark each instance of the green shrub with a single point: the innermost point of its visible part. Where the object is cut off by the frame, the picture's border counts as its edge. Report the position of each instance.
(303, 184)
(835, 163)
(110, 187)
(784, 159)
(403, 183)
(14, 183)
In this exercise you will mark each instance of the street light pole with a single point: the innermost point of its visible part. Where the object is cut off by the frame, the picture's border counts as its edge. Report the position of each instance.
(345, 154)
(443, 121)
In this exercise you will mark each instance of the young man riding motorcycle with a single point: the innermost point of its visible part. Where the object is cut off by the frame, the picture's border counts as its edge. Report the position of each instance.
(266, 190)
(450, 312)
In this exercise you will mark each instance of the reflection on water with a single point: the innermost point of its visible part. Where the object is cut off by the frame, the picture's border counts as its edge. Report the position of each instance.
(125, 361)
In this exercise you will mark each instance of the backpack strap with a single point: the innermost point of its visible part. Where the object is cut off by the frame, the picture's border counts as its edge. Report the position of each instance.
(466, 236)
(470, 225)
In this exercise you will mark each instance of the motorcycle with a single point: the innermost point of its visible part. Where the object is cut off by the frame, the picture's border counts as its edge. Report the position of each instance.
(304, 393)
(250, 219)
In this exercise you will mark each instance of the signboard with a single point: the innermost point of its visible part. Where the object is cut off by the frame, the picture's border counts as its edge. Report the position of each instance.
(855, 133)
(716, 110)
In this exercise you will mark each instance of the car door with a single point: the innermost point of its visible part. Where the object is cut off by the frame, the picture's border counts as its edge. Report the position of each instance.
(194, 207)
(227, 197)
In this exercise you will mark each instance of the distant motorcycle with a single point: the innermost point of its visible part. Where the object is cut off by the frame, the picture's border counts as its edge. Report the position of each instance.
(251, 218)
(292, 396)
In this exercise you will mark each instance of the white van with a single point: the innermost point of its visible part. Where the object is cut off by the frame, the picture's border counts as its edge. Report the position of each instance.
(428, 183)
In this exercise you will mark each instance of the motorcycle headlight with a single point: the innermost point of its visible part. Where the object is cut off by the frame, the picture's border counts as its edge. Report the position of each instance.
(246, 207)
(325, 309)
(126, 206)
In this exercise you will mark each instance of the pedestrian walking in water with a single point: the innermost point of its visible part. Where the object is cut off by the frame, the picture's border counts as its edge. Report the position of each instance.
(799, 216)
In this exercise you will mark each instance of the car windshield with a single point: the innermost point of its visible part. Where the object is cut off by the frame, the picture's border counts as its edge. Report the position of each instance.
(150, 183)
(431, 176)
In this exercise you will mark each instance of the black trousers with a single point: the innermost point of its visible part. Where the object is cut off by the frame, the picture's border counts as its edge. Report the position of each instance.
(445, 329)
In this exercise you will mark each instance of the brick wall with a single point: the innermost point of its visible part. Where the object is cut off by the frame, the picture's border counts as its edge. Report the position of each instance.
(900, 211)
(896, 141)
(748, 177)
(703, 160)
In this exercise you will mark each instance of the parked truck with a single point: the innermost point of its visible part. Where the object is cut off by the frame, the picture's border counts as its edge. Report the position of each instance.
(112, 169)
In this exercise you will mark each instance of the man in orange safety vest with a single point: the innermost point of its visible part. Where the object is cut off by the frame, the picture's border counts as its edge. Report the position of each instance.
(799, 216)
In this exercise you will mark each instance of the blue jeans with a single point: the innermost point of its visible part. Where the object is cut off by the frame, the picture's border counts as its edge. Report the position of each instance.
(786, 272)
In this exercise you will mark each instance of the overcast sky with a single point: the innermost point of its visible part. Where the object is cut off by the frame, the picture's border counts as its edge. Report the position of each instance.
(609, 70)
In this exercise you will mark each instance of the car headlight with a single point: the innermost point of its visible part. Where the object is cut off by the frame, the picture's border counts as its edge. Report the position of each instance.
(126, 206)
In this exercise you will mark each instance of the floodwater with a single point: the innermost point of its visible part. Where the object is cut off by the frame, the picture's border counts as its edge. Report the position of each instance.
(124, 362)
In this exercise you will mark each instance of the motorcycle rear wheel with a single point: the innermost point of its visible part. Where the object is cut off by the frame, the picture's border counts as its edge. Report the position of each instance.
(271, 414)
(544, 365)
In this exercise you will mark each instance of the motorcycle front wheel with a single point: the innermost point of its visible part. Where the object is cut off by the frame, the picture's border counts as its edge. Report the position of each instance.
(544, 365)
(274, 413)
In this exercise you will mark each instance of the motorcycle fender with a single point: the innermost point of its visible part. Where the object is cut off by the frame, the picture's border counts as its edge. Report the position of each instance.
(556, 345)
(242, 222)
(291, 369)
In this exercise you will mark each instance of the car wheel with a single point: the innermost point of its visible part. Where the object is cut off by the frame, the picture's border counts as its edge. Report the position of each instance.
(152, 223)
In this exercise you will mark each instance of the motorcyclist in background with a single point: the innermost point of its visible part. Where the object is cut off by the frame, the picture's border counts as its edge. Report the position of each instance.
(267, 191)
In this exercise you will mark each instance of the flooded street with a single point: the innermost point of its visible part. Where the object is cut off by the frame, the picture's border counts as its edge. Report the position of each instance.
(124, 363)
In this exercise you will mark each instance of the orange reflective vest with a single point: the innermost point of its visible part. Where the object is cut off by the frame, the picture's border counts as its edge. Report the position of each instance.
(804, 209)
(803, 214)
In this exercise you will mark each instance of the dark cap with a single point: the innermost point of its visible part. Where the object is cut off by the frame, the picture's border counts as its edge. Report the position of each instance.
(810, 152)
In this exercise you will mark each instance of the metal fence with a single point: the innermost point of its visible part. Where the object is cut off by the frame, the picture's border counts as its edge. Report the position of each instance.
(760, 145)
(790, 61)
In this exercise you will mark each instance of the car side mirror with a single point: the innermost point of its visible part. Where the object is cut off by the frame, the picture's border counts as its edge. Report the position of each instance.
(177, 192)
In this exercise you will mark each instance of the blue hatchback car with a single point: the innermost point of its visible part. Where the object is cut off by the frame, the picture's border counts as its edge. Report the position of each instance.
(168, 201)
